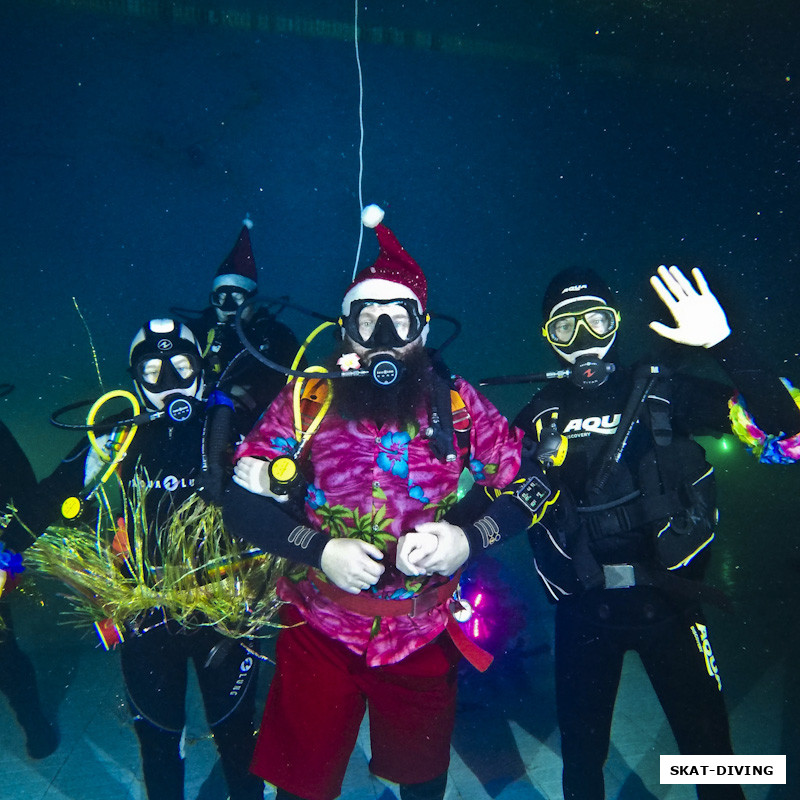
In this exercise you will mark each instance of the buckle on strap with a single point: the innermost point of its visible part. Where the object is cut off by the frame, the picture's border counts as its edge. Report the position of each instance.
(425, 601)
(619, 576)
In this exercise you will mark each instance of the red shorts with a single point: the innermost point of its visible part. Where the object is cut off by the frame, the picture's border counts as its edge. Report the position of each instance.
(317, 700)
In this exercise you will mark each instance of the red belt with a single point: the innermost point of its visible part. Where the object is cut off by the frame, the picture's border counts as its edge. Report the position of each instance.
(370, 606)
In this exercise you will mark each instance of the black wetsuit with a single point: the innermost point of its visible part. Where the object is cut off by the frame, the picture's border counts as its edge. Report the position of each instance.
(17, 675)
(660, 616)
(156, 651)
(252, 384)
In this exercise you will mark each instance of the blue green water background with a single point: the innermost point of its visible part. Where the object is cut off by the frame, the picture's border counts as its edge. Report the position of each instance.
(617, 136)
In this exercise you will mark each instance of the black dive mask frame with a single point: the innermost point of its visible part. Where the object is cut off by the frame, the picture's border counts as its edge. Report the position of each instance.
(384, 335)
(168, 377)
(229, 305)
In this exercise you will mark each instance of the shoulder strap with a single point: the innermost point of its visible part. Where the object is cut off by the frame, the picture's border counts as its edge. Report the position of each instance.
(660, 414)
(449, 415)
(609, 457)
(441, 431)
(462, 421)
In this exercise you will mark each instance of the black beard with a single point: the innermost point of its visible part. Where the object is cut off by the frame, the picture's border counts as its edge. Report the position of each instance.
(362, 399)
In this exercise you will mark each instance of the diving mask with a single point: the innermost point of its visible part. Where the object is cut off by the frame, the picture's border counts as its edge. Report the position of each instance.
(226, 301)
(165, 360)
(170, 383)
(165, 373)
(600, 322)
(582, 328)
(228, 298)
(384, 324)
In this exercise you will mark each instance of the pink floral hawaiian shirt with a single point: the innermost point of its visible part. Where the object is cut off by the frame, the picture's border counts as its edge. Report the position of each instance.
(377, 483)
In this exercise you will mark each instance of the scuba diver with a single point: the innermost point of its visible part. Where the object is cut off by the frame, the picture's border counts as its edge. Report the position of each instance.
(180, 447)
(624, 552)
(374, 452)
(17, 675)
(225, 360)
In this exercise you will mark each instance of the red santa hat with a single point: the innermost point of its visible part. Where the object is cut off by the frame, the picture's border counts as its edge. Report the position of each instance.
(394, 274)
(239, 268)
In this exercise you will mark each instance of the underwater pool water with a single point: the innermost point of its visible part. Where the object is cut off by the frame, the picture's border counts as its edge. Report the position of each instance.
(505, 141)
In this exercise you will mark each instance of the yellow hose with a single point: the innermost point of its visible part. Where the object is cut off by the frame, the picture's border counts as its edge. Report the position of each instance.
(123, 446)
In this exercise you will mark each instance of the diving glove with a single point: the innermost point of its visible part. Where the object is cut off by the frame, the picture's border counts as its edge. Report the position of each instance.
(700, 320)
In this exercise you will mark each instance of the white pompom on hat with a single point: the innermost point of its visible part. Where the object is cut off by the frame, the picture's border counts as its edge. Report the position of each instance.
(372, 216)
(394, 274)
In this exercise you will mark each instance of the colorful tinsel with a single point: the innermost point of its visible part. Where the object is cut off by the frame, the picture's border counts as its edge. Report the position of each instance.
(201, 578)
(769, 449)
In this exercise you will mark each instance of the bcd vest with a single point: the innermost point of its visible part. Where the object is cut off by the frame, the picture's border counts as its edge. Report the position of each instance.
(668, 517)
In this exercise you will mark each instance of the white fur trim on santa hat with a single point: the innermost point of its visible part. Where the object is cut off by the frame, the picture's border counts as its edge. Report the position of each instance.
(234, 281)
(377, 289)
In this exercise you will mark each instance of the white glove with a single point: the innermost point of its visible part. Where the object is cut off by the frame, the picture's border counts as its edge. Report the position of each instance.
(411, 548)
(699, 318)
(452, 548)
(253, 474)
(352, 564)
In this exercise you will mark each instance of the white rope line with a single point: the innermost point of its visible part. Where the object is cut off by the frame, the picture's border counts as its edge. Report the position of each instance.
(361, 139)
